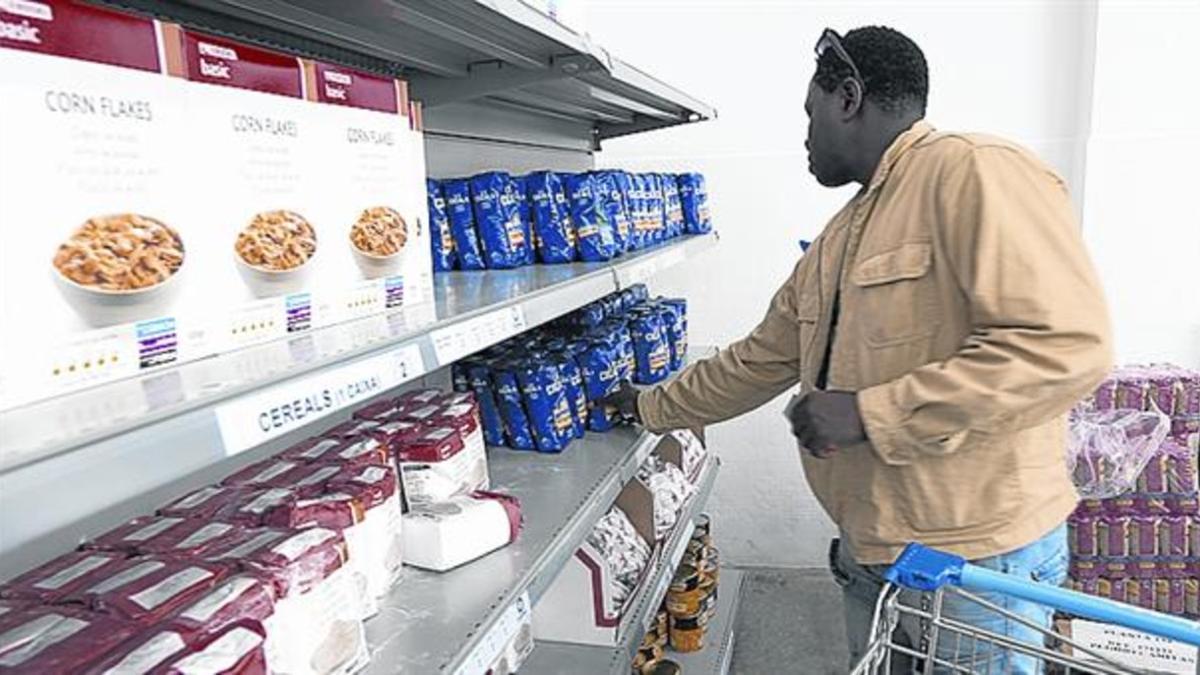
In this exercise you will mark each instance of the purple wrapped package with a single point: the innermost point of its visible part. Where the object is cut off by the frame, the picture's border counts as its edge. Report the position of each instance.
(1191, 597)
(1145, 592)
(1081, 534)
(1085, 569)
(1173, 536)
(1143, 536)
(1112, 533)
(1124, 505)
(1183, 505)
(1154, 477)
(1106, 395)
(1180, 469)
(1116, 569)
(1174, 569)
(1153, 505)
(1145, 569)
(1089, 507)
(1194, 536)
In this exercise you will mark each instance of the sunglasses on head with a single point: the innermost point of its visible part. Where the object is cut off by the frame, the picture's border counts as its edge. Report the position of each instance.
(831, 40)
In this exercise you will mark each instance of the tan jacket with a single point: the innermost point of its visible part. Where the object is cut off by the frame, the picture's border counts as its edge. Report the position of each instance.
(971, 321)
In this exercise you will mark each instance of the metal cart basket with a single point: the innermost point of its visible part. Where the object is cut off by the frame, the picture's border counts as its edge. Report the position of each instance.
(946, 642)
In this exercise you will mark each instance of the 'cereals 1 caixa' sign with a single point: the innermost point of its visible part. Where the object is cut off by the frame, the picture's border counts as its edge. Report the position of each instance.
(249, 421)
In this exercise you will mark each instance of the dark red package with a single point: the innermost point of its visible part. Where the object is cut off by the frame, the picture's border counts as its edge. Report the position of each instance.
(421, 413)
(434, 445)
(351, 429)
(290, 560)
(311, 449)
(335, 511)
(236, 599)
(380, 411)
(370, 485)
(261, 474)
(461, 416)
(145, 590)
(184, 538)
(251, 508)
(238, 650)
(50, 582)
(366, 450)
(203, 503)
(308, 480)
(143, 654)
(420, 397)
(57, 639)
(458, 398)
(395, 433)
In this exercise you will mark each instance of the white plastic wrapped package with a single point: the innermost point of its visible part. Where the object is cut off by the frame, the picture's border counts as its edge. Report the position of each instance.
(615, 538)
(671, 490)
(377, 545)
(1108, 449)
(445, 534)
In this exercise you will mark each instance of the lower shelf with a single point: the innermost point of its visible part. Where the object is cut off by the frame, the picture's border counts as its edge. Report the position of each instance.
(560, 657)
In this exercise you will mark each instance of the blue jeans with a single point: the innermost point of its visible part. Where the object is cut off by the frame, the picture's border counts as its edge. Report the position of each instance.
(1045, 561)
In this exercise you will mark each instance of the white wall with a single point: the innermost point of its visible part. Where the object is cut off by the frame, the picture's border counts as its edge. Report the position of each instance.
(1010, 68)
(1141, 213)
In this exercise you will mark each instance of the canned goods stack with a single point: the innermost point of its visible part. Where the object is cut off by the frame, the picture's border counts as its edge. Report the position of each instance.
(537, 391)
(690, 604)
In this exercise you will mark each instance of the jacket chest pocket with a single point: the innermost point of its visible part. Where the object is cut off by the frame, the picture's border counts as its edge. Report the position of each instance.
(897, 295)
(808, 313)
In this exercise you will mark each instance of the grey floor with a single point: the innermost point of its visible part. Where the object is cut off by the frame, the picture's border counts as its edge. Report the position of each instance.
(790, 621)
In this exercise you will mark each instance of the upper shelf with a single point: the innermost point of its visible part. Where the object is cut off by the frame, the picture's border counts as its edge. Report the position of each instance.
(498, 52)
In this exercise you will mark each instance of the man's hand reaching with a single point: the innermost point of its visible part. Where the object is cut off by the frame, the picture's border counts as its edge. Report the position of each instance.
(827, 421)
(624, 399)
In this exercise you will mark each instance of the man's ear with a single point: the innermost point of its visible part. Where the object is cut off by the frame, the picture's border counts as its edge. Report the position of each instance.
(851, 95)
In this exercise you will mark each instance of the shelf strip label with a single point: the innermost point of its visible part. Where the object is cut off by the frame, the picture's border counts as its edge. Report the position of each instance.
(253, 419)
(467, 337)
(496, 640)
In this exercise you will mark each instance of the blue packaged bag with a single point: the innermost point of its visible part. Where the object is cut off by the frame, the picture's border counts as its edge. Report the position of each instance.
(608, 194)
(627, 191)
(479, 380)
(616, 332)
(512, 407)
(498, 220)
(600, 365)
(655, 209)
(693, 198)
(572, 378)
(546, 404)
(652, 353)
(441, 241)
(519, 189)
(673, 208)
(462, 224)
(596, 240)
(677, 330)
(551, 218)
(459, 376)
(612, 306)
(640, 292)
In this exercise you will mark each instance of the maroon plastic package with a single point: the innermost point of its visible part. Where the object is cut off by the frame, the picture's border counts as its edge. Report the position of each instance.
(423, 414)
(1143, 536)
(311, 449)
(380, 411)
(336, 511)
(238, 598)
(239, 650)
(1173, 536)
(48, 583)
(419, 398)
(435, 444)
(261, 474)
(179, 537)
(458, 397)
(465, 418)
(143, 654)
(203, 503)
(356, 452)
(307, 480)
(1082, 535)
(292, 561)
(57, 639)
(395, 433)
(145, 590)
(251, 508)
(351, 429)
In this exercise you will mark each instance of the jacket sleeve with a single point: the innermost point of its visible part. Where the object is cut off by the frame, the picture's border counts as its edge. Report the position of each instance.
(741, 377)
(1040, 337)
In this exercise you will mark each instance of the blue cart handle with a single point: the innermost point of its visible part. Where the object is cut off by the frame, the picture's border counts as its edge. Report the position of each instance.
(925, 569)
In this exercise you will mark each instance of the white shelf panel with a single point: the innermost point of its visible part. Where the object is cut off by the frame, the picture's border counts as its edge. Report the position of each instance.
(130, 445)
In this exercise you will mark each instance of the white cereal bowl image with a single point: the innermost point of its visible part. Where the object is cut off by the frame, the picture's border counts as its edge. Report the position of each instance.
(378, 242)
(119, 268)
(274, 253)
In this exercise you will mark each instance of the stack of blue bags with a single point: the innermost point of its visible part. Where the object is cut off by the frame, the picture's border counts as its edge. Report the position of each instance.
(497, 221)
(537, 391)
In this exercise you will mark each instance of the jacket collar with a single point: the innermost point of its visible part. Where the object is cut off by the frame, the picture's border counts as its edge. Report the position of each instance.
(905, 141)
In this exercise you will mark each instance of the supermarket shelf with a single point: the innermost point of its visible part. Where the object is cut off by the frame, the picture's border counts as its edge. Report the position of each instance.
(501, 52)
(435, 622)
(125, 442)
(561, 657)
(714, 659)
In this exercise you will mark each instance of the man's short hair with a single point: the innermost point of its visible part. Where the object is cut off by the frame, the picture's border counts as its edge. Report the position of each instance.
(892, 66)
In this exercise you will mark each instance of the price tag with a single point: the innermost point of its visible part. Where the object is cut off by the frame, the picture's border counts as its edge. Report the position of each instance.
(1133, 648)
(250, 420)
(493, 643)
(467, 337)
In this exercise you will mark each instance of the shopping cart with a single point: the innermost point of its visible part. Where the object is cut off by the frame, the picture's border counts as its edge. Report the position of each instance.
(946, 642)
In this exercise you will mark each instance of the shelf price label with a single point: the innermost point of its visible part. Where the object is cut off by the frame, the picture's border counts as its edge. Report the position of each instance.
(467, 337)
(253, 419)
(497, 638)
(642, 271)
